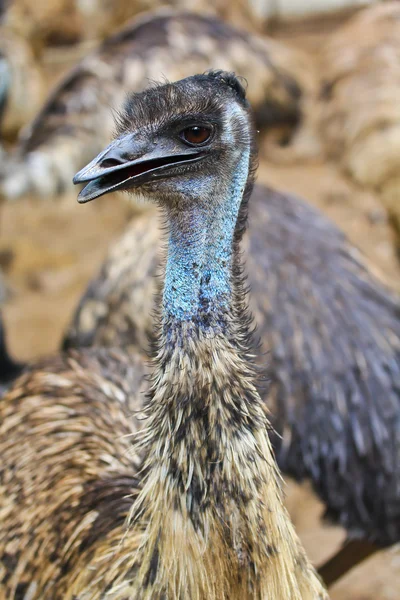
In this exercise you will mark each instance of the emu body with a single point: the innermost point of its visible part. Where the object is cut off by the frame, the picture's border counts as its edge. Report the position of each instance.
(206, 519)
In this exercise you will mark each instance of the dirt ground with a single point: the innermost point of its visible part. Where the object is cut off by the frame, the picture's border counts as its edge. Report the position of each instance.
(49, 250)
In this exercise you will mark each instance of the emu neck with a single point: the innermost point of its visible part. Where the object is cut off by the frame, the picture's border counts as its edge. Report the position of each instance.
(199, 283)
(214, 526)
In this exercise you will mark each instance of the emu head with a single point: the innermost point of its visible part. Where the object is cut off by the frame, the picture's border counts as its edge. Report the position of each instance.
(176, 143)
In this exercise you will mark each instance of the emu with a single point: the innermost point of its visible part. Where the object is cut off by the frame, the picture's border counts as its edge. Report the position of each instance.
(204, 504)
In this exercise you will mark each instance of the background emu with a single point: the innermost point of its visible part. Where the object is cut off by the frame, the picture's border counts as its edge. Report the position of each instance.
(206, 520)
(358, 108)
(332, 333)
(76, 122)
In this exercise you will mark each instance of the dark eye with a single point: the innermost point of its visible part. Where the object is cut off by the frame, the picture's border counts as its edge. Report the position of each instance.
(196, 135)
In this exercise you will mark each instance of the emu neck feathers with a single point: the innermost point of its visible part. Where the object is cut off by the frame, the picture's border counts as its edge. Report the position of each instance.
(211, 506)
(198, 282)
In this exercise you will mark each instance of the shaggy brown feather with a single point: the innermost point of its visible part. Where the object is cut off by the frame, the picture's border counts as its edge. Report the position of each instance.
(70, 474)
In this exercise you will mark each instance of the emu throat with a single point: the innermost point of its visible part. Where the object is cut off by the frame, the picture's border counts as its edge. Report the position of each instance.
(198, 282)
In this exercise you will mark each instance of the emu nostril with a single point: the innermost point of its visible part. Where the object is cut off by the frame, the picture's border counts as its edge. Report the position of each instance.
(111, 162)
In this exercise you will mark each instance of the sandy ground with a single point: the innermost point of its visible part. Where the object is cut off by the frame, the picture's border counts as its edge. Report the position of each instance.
(49, 250)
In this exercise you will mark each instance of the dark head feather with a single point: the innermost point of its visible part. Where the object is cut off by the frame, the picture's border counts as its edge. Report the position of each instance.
(231, 80)
(199, 94)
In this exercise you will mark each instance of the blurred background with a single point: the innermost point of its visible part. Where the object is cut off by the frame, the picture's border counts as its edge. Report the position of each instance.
(333, 73)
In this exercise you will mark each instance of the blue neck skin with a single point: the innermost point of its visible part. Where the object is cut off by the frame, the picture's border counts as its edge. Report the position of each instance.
(200, 252)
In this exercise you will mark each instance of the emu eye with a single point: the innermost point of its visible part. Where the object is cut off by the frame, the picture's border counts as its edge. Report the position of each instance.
(196, 135)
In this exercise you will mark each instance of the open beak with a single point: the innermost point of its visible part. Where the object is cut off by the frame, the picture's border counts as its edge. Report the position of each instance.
(126, 164)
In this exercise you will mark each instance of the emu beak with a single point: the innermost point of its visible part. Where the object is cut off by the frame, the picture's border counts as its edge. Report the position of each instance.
(126, 164)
